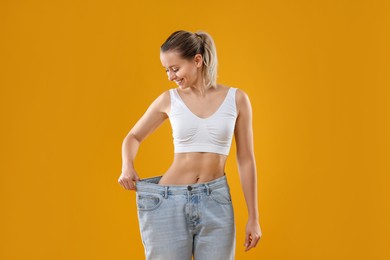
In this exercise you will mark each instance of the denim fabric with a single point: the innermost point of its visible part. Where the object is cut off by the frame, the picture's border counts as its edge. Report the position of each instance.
(180, 221)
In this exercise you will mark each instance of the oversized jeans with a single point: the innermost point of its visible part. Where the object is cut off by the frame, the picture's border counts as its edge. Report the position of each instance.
(180, 221)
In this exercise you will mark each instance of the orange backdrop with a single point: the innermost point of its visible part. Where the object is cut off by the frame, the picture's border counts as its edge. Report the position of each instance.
(77, 75)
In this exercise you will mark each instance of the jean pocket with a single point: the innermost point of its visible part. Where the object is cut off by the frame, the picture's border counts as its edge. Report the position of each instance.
(148, 201)
(222, 196)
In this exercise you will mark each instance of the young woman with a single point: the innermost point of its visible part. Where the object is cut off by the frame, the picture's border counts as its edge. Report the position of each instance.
(188, 210)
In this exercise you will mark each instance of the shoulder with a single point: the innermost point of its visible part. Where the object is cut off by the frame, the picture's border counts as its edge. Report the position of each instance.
(162, 101)
(242, 101)
(241, 95)
(162, 97)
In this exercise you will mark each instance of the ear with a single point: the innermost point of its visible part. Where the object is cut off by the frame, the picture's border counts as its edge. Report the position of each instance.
(198, 60)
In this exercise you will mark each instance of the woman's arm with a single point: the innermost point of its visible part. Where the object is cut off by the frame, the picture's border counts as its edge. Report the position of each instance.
(247, 166)
(149, 122)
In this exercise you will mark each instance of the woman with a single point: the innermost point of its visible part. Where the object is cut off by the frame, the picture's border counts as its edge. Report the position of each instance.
(188, 210)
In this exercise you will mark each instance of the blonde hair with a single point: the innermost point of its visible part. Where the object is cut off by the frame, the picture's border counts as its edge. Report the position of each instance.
(188, 44)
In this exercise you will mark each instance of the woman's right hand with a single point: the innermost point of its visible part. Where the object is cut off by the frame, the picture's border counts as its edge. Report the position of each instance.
(127, 179)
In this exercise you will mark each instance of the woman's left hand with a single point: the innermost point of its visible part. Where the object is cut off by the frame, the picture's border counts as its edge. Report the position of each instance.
(253, 234)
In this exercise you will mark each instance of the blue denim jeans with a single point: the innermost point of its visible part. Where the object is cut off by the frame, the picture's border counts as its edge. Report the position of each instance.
(180, 221)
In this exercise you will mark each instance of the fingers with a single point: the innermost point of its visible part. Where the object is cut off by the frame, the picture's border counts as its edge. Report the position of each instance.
(131, 185)
(128, 183)
(124, 184)
(251, 241)
(135, 180)
(247, 240)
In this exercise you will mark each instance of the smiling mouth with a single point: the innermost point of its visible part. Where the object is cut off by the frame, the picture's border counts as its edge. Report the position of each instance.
(178, 81)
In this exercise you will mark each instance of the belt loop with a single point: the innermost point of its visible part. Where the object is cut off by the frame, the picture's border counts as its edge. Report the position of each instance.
(208, 189)
(166, 192)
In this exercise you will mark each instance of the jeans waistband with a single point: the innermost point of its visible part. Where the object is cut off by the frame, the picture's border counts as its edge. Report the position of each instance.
(151, 185)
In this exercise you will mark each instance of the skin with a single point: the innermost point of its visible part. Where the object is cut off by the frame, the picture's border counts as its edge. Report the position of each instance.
(197, 167)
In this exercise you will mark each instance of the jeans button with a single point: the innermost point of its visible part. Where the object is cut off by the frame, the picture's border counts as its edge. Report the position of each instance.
(189, 188)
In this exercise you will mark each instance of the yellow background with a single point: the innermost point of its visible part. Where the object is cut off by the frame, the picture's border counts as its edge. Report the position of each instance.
(77, 75)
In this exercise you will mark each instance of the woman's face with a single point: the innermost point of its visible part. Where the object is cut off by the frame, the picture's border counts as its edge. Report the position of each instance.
(183, 72)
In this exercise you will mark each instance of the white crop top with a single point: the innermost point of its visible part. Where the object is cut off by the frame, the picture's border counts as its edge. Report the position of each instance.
(194, 134)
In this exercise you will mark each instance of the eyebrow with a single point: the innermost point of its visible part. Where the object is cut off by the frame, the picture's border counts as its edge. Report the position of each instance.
(171, 66)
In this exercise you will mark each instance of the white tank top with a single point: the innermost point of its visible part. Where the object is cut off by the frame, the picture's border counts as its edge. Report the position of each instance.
(194, 134)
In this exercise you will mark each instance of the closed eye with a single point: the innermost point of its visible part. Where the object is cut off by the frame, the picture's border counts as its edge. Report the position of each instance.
(173, 70)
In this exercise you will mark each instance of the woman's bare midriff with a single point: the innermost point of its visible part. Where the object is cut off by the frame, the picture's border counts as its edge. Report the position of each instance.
(194, 167)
